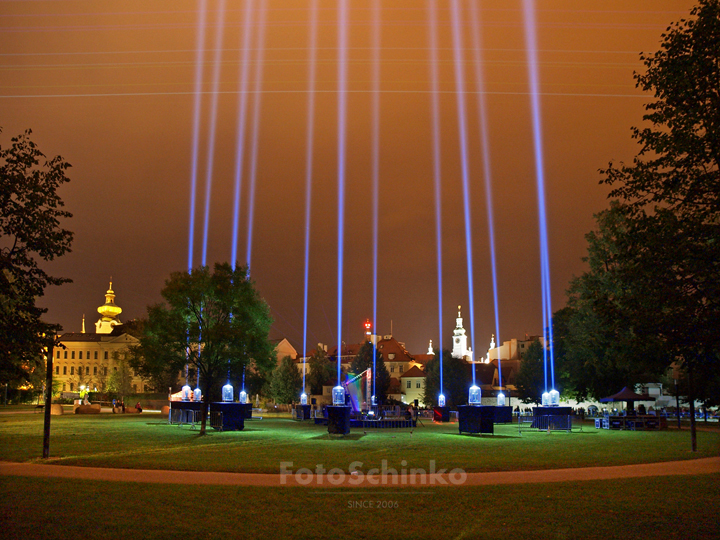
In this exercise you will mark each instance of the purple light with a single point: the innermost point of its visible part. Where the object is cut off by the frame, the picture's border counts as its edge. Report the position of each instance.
(242, 112)
(437, 174)
(197, 106)
(487, 169)
(210, 160)
(342, 111)
(459, 62)
(309, 166)
(531, 46)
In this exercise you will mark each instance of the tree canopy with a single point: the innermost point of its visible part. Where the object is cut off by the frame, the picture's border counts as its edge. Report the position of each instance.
(457, 377)
(286, 382)
(654, 277)
(215, 322)
(30, 228)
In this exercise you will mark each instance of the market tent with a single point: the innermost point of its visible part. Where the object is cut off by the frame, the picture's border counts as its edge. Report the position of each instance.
(627, 395)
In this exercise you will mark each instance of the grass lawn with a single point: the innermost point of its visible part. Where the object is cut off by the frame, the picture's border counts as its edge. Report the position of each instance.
(667, 508)
(147, 441)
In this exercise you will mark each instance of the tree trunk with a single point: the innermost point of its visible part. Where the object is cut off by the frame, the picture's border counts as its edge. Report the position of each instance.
(48, 401)
(204, 412)
(691, 399)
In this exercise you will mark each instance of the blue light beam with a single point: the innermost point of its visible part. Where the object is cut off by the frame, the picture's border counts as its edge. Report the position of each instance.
(309, 135)
(197, 107)
(459, 62)
(240, 128)
(487, 166)
(531, 47)
(437, 166)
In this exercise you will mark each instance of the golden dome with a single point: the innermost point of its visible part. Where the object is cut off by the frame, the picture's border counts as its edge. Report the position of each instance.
(109, 310)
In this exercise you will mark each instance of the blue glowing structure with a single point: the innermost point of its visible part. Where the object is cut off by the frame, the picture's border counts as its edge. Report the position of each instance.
(338, 396)
(197, 394)
(475, 395)
(228, 393)
(303, 399)
(186, 392)
(500, 399)
(437, 174)
(243, 398)
(531, 47)
(545, 400)
(554, 398)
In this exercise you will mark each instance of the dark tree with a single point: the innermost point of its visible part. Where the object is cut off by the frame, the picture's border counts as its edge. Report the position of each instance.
(530, 380)
(457, 378)
(286, 382)
(364, 360)
(30, 226)
(661, 277)
(320, 371)
(214, 321)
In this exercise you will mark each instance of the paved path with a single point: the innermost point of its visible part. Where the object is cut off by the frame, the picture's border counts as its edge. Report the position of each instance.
(439, 478)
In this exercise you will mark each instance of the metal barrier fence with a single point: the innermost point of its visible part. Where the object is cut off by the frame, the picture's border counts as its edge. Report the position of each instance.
(545, 423)
(216, 420)
(185, 416)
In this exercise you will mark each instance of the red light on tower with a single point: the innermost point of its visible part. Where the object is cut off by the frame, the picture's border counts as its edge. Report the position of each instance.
(368, 327)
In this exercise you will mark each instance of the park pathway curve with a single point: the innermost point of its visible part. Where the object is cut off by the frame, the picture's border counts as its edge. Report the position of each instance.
(343, 479)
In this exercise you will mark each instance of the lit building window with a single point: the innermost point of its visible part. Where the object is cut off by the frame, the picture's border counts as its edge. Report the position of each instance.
(80, 355)
(106, 355)
(95, 370)
(57, 370)
(409, 384)
(72, 372)
(72, 355)
(418, 384)
(95, 355)
(401, 368)
(65, 355)
(71, 387)
(79, 371)
(392, 369)
(58, 355)
(64, 370)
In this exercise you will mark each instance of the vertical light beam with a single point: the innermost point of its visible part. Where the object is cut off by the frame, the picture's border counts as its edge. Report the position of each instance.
(197, 107)
(210, 157)
(241, 121)
(375, 163)
(487, 168)
(341, 113)
(459, 63)
(257, 103)
(309, 135)
(531, 47)
(437, 169)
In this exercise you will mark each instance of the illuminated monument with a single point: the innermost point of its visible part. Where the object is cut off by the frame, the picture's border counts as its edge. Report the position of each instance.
(110, 312)
(460, 348)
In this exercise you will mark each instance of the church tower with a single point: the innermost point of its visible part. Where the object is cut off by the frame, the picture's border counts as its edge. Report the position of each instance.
(109, 312)
(460, 348)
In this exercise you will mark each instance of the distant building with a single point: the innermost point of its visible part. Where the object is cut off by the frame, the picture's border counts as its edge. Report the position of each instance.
(88, 359)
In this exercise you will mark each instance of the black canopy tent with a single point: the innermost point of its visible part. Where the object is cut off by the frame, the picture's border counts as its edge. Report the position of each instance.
(628, 396)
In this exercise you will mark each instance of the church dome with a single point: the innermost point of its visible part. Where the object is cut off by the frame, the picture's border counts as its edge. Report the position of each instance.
(109, 310)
